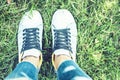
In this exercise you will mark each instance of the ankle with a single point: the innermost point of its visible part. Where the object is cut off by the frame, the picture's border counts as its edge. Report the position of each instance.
(59, 59)
(33, 60)
(33, 56)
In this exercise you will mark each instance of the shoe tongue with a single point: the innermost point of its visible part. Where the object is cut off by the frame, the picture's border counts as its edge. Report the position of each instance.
(31, 52)
(62, 52)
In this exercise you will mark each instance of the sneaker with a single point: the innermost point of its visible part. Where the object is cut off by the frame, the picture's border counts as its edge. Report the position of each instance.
(64, 33)
(30, 35)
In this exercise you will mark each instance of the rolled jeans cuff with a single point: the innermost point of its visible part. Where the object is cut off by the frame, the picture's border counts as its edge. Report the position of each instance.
(69, 70)
(24, 70)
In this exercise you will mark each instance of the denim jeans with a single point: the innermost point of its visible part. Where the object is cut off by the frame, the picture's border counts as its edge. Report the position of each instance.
(68, 70)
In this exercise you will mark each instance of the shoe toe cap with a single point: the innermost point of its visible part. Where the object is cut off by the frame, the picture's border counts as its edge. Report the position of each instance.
(31, 19)
(62, 18)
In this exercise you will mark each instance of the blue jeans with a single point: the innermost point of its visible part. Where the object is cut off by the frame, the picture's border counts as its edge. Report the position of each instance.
(68, 70)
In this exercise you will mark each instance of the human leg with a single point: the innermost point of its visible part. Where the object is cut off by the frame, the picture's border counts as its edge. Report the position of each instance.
(23, 71)
(69, 70)
(64, 34)
(29, 47)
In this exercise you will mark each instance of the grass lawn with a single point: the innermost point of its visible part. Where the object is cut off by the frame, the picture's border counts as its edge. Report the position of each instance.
(98, 25)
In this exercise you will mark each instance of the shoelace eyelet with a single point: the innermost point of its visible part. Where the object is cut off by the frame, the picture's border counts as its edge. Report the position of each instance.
(30, 39)
(62, 39)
